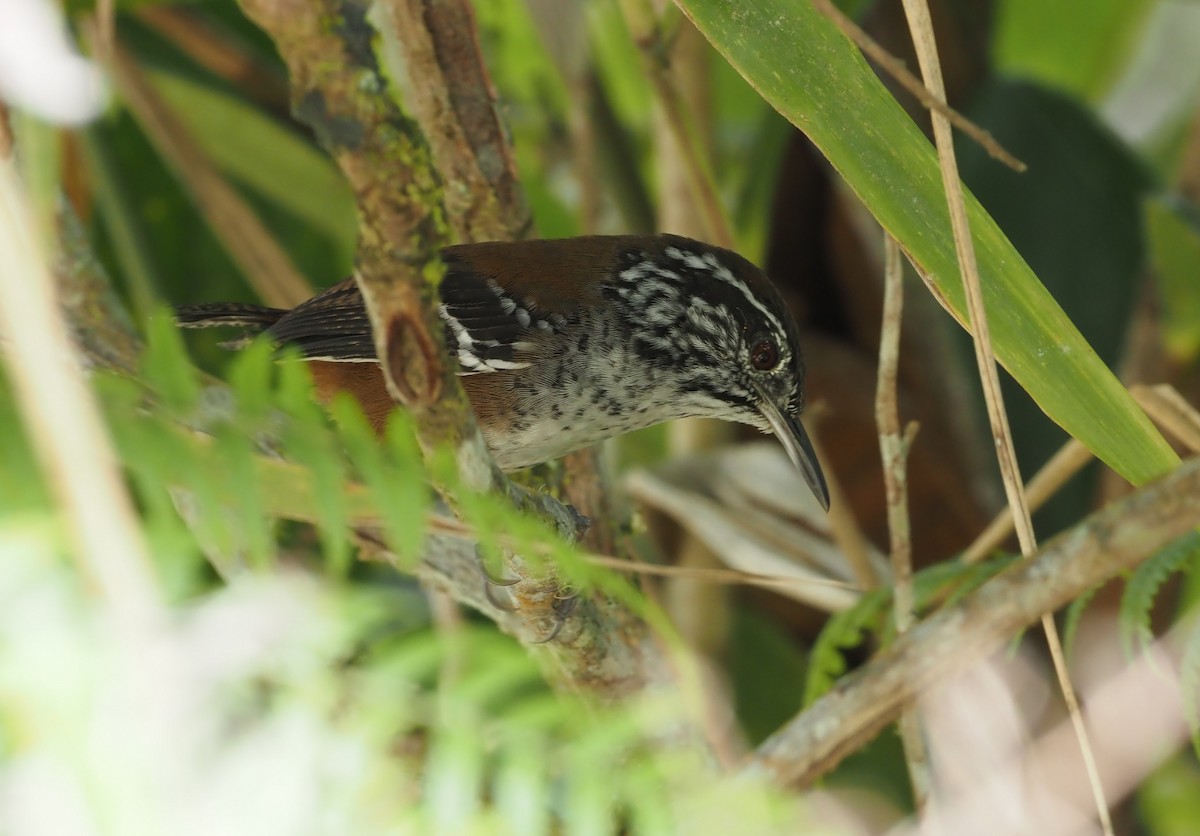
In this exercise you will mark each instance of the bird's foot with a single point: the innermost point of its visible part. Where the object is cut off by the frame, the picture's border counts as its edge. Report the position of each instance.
(565, 602)
(491, 582)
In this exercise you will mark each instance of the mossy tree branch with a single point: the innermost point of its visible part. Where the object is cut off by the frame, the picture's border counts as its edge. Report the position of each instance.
(398, 96)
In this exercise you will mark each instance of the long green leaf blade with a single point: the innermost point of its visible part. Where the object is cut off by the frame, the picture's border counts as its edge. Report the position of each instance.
(814, 76)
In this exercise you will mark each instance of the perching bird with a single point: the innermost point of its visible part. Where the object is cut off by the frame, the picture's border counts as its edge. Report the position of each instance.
(564, 343)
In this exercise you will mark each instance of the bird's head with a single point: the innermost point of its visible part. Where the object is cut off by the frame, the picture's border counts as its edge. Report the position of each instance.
(720, 327)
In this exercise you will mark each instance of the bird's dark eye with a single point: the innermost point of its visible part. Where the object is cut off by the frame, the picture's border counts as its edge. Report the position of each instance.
(764, 356)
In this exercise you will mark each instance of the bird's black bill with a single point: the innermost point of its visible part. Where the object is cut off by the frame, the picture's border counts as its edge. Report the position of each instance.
(791, 434)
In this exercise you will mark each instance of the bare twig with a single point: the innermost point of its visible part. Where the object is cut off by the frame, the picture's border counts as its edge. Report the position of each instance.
(716, 576)
(722, 530)
(106, 24)
(265, 264)
(1100, 548)
(448, 621)
(921, 27)
(1064, 464)
(456, 528)
(63, 420)
(1171, 411)
(214, 50)
(894, 67)
(893, 449)
(643, 25)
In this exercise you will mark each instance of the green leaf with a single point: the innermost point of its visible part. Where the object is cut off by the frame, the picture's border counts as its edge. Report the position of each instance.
(266, 156)
(1077, 45)
(165, 365)
(1175, 256)
(1168, 801)
(803, 66)
(393, 473)
(1076, 218)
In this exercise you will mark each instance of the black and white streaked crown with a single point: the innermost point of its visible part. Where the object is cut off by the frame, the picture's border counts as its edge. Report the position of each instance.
(695, 308)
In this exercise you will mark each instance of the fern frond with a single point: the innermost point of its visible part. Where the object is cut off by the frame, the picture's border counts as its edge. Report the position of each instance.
(844, 631)
(1142, 588)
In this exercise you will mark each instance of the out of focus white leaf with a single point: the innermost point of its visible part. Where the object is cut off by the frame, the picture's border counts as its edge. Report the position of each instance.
(40, 70)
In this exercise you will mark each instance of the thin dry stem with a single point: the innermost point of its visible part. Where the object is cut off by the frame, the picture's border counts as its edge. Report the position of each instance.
(263, 261)
(892, 445)
(64, 422)
(1063, 465)
(584, 158)
(106, 23)
(1100, 548)
(449, 623)
(643, 25)
(894, 67)
(1171, 411)
(921, 27)
(893, 449)
(196, 38)
(716, 576)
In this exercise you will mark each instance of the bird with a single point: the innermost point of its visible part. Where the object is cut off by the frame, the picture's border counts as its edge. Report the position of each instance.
(562, 343)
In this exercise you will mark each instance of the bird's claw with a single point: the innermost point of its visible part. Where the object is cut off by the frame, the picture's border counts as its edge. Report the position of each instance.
(565, 599)
(565, 602)
(491, 582)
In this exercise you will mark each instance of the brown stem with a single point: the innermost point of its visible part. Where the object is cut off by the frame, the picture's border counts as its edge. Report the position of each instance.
(1100, 548)
(893, 449)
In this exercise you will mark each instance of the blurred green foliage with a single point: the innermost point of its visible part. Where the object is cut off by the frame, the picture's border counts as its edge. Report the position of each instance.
(1174, 238)
(299, 661)
(1077, 46)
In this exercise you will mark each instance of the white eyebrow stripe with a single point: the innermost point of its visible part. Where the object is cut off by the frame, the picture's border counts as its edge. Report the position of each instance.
(709, 262)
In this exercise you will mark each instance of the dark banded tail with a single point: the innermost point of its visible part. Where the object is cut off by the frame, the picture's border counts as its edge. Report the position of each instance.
(228, 314)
